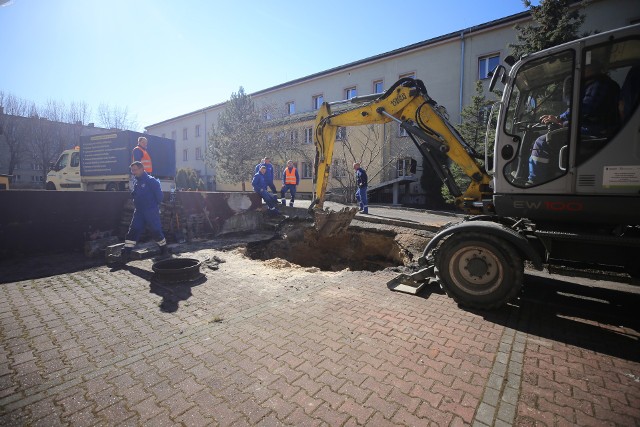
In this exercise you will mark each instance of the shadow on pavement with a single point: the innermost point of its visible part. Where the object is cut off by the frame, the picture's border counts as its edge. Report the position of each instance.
(37, 267)
(172, 294)
(597, 319)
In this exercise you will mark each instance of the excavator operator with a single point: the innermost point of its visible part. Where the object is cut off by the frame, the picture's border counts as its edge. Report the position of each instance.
(599, 118)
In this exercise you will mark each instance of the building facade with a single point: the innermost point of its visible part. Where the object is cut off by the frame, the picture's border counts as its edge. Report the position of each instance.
(450, 65)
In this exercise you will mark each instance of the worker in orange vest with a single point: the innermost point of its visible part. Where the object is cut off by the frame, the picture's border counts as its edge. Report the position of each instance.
(290, 180)
(140, 154)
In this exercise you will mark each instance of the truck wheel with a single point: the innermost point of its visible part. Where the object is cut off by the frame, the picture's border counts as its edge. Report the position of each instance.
(112, 186)
(479, 270)
(50, 186)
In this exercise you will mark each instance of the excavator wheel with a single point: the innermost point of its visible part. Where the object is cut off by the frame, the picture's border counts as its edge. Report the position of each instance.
(479, 270)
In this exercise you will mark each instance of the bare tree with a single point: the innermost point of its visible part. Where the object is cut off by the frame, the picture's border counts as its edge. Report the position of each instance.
(364, 145)
(285, 141)
(77, 115)
(14, 127)
(47, 134)
(115, 118)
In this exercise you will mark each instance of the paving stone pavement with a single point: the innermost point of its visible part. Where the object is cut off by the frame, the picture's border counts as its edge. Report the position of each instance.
(103, 346)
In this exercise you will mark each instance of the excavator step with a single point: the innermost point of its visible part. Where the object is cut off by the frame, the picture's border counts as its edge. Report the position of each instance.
(412, 283)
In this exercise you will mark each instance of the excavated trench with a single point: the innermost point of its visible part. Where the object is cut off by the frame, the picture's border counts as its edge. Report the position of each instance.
(355, 248)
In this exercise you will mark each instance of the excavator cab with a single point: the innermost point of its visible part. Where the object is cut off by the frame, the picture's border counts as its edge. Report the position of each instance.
(588, 164)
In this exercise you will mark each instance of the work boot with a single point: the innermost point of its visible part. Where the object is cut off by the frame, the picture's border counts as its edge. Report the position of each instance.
(125, 255)
(290, 204)
(284, 202)
(164, 251)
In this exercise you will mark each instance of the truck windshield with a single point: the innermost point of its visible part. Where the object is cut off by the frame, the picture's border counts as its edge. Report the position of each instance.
(62, 163)
(541, 87)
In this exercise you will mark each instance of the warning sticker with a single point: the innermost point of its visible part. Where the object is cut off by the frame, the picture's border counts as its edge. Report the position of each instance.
(621, 176)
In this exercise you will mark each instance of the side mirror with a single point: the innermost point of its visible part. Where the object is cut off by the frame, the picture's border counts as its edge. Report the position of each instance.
(510, 60)
(498, 73)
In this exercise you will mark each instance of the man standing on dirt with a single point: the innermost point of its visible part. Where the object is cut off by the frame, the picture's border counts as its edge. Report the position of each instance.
(260, 186)
(147, 196)
(268, 176)
(361, 191)
(290, 180)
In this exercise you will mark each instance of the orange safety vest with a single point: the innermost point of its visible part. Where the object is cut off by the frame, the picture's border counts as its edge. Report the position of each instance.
(290, 176)
(146, 159)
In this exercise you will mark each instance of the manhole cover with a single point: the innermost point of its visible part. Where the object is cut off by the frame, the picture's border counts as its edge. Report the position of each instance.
(177, 270)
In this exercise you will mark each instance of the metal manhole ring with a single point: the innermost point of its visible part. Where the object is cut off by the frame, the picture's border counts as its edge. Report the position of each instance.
(176, 270)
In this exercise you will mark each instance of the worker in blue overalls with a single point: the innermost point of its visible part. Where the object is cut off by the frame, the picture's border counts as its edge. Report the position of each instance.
(147, 196)
(361, 191)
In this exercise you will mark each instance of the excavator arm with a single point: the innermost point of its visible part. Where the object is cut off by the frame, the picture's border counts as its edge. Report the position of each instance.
(408, 104)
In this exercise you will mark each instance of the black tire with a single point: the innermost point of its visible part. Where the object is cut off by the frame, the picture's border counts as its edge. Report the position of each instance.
(479, 270)
(50, 186)
(112, 186)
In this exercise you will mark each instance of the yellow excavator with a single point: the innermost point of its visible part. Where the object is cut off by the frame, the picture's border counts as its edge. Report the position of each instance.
(566, 195)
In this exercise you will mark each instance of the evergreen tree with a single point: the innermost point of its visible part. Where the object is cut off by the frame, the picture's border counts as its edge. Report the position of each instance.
(238, 140)
(555, 22)
(473, 130)
(189, 179)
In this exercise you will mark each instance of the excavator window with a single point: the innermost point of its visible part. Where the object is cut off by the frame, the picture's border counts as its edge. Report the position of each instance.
(610, 85)
(542, 87)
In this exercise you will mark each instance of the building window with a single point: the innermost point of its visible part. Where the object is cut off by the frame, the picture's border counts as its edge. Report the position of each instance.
(293, 136)
(317, 101)
(198, 153)
(173, 135)
(266, 114)
(341, 134)
(291, 107)
(184, 133)
(378, 86)
(406, 166)
(411, 75)
(277, 171)
(185, 154)
(308, 136)
(402, 132)
(197, 130)
(486, 65)
(350, 92)
(307, 170)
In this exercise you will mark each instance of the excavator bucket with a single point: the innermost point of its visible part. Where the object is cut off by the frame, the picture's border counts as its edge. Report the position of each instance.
(330, 223)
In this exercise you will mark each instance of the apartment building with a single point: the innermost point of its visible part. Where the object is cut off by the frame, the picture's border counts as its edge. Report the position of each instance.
(450, 65)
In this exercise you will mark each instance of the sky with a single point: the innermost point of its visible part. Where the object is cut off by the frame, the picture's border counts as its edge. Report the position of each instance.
(161, 58)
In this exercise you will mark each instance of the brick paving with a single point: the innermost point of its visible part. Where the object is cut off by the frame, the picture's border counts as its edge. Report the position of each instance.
(298, 347)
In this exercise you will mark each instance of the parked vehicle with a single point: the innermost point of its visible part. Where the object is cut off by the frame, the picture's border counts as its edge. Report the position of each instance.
(101, 162)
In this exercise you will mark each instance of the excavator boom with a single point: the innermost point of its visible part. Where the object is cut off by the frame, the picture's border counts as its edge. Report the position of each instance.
(408, 104)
